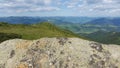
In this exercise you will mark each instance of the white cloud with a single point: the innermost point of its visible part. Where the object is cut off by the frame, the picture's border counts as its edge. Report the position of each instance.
(99, 6)
(47, 2)
(44, 9)
(27, 6)
(108, 1)
(87, 6)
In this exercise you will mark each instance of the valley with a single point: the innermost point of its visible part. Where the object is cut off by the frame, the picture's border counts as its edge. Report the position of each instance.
(103, 30)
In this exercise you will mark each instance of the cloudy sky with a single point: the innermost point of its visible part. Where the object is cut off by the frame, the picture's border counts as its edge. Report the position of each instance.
(93, 8)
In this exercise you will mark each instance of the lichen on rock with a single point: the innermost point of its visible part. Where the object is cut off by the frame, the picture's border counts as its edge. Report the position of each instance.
(58, 53)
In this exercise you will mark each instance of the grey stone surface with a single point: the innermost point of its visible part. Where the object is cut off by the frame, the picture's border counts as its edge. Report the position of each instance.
(58, 53)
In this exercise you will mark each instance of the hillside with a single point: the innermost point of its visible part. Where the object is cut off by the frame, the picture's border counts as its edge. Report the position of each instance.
(104, 37)
(75, 24)
(34, 31)
(96, 24)
(6, 36)
(58, 53)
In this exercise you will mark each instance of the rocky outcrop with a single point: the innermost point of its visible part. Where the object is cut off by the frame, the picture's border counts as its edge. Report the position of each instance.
(58, 53)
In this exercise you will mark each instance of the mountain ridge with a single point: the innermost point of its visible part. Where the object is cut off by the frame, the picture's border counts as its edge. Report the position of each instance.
(34, 31)
(31, 20)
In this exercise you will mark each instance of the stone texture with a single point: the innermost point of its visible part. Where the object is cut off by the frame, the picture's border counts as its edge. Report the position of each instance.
(58, 53)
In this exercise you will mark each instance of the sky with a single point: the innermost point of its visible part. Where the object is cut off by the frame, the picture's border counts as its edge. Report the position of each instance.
(90, 8)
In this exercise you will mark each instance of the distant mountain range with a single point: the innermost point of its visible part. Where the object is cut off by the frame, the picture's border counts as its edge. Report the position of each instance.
(96, 29)
(105, 21)
(96, 24)
(75, 24)
(56, 20)
(102, 21)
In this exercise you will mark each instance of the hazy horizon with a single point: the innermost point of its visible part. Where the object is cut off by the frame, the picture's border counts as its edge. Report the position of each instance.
(67, 16)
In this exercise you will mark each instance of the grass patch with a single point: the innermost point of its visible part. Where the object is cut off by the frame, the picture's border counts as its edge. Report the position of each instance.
(34, 31)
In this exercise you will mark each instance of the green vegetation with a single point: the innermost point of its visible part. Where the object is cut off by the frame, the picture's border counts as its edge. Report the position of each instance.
(34, 31)
(104, 37)
(7, 36)
(88, 28)
(99, 33)
(45, 29)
